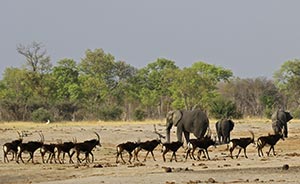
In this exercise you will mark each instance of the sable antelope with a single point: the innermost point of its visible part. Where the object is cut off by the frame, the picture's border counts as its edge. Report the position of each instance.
(241, 143)
(173, 146)
(12, 147)
(86, 147)
(64, 148)
(203, 143)
(48, 148)
(29, 147)
(149, 146)
(268, 140)
(127, 146)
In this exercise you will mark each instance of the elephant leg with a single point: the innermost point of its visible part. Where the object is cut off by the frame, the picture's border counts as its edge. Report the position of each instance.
(187, 136)
(277, 129)
(219, 138)
(179, 134)
(285, 130)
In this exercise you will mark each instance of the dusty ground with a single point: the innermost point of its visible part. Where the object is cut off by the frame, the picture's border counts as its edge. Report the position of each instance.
(220, 169)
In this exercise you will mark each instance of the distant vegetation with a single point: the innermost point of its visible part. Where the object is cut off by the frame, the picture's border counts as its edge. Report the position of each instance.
(100, 88)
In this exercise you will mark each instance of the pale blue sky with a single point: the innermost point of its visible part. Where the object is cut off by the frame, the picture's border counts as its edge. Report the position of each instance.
(251, 38)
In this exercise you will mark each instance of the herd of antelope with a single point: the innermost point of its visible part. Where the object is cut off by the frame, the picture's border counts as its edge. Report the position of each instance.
(17, 147)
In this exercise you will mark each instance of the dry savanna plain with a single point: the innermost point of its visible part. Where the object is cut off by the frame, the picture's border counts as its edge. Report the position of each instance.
(220, 169)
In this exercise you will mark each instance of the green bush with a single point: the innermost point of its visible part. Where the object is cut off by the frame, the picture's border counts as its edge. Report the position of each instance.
(41, 115)
(268, 113)
(296, 113)
(139, 115)
(223, 108)
(113, 113)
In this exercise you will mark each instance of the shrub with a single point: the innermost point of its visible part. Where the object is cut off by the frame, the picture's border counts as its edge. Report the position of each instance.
(296, 113)
(223, 108)
(113, 113)
(41, 115)
(139, 115)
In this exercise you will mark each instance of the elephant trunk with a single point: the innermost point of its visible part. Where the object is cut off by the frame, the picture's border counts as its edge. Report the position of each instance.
(168, 135)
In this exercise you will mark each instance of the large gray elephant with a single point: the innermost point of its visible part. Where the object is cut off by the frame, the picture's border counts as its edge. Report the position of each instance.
(187, 121)
(223, 129)
(279, 121)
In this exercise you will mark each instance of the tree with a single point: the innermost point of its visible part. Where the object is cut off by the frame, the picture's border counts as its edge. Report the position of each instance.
(153, 83)
(287, 79)
(66, 79)
(105, 82)
(38, 67)
(195, 86)
(36, 58)
(14, 94)
(253, 97)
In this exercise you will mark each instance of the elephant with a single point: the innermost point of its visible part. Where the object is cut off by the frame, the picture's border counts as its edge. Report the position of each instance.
(187, 121)
(223, 129)
(279, 122)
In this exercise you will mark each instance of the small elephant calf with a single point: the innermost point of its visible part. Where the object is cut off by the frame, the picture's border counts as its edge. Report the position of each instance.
(223, 128)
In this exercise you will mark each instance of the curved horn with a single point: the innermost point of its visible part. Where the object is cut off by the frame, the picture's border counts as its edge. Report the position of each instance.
(20, 135)
(97, 136)
(251, 132)
(74, 140)
(42, 137)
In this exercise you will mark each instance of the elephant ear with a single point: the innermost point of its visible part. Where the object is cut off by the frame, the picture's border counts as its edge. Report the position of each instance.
(177, 115)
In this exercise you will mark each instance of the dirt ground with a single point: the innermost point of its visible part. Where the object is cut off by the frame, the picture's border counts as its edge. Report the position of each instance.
(220, 169)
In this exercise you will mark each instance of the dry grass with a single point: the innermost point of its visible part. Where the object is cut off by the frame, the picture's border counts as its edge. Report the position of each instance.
(221, 168)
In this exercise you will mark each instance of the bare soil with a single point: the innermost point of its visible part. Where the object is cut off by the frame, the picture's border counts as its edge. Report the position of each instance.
(220, 169)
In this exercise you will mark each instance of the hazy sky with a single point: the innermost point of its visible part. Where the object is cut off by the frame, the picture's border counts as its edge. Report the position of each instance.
(251, 38)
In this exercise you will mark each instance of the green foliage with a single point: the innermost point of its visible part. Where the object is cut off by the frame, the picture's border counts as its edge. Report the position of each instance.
(268, 113)
(153, 83)
(98, 87)
(287, 79)
(139, 115)
(296, 113)
(66, 80)
(253, 97)
(223, 108)
(110, 113)
(196, 86)
(66, 110)
(41, 115)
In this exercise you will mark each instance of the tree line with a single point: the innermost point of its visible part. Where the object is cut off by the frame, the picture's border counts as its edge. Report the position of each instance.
(100, 88)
